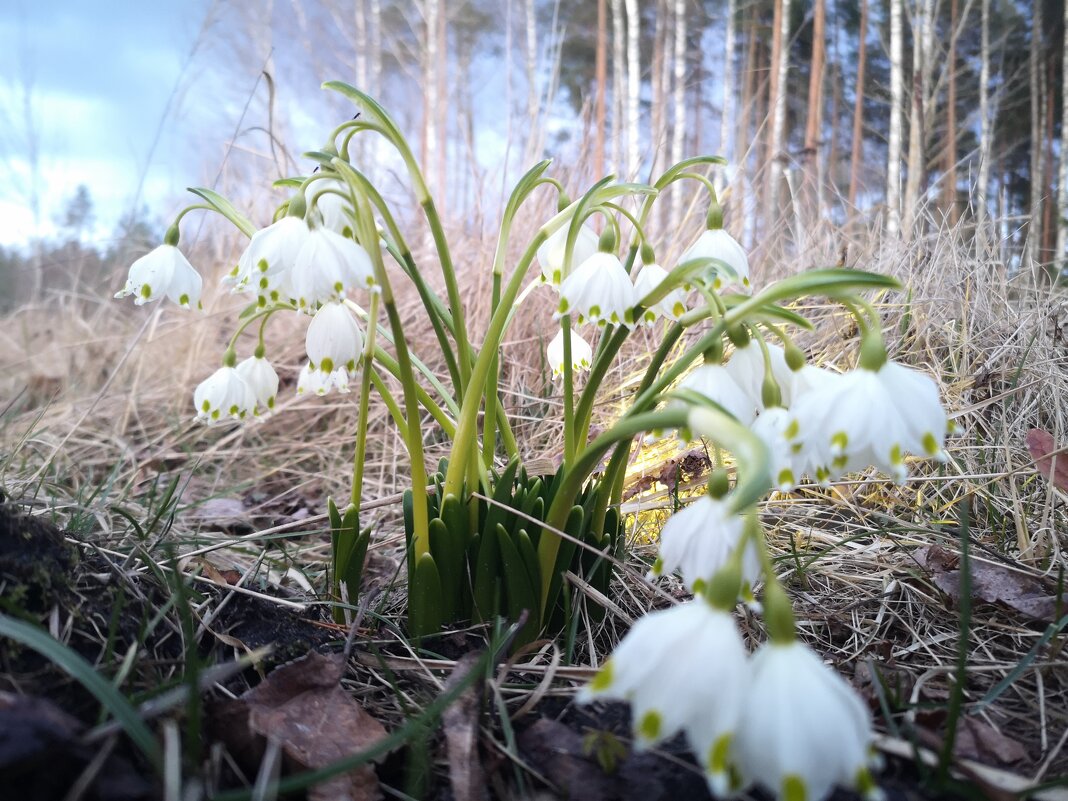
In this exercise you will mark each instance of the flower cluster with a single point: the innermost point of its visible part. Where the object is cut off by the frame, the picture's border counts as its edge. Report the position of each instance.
(780, 718)
(287, 265)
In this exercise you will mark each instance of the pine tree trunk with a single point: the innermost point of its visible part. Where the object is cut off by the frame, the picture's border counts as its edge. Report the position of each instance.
(601, 77)
(633, 87)
(857, 152)
(897, 99)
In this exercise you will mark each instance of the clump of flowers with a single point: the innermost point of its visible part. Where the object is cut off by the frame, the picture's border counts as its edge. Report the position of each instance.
(485, 541)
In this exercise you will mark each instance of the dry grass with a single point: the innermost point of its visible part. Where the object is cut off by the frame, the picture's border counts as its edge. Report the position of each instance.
(99, 415)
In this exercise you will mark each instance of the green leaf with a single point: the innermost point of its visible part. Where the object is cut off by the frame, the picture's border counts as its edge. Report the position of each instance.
(225, 208)
(424, 599)
(519, 593)
(502, 495)
(448, 551)
(487, 575)
(81, 671)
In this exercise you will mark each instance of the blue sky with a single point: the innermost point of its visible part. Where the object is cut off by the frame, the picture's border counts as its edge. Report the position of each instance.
(99, 75)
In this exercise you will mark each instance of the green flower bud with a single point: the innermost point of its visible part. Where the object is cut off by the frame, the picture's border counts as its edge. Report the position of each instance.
(738, 335)
(298, 206)
(171, 237)
(872, 350)
(719, 483)
(714, 353)
(607, 242)
(770, 393)
(778, 614)
(648, 257)
(795, 357)
(714, 219)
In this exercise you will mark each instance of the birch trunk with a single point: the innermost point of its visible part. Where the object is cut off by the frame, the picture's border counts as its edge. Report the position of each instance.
(601, 77)
(777, 101)
(857, 150)
(725, 149)
(618, 87)
(985, 138)
(922, 37)
(633, 86)
(814, 123)
(1034, 234)
(897, 99)
(1062, 180)
(678, 139)
(950, 188)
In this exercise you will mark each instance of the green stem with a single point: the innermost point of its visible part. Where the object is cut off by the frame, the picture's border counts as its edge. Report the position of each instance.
(569, 394)
(585, 462)
(360, 452)
(392, 406)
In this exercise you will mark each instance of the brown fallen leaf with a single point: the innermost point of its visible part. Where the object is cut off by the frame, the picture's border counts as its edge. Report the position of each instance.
(1040, 444)
(978, 740)
(302, 706)
(460, 722)
(992, 583)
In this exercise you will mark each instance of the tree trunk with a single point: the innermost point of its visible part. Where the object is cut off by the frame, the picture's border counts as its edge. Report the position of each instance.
(923, 40)
(619, 88)
(659, 87)
(897, 99)
(857, 152)
(633, 87)
(985, 128)
(601, 73)
(1062, 180)
(779, 62)
(725, 149)
(430, 85)
(678, 134)
(814, 122)
(1034, 234)
(950, 187)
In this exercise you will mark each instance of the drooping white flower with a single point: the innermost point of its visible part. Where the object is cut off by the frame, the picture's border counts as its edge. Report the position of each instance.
(672, 306)
(733, 263)
(804, 729)
(316, 382)
(224, 394)
(699, 540)
(333, 339)
(334, 211)
(790, 459)
(581, 353)
(872, 417)
(164, 271)
(265, 266)
(716, 383)
(262, 380)
(327, 265)
(598, 291)
(551, 254)
(691, 646)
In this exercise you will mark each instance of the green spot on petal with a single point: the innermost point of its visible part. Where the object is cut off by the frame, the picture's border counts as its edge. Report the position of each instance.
(895, 455)
(717, 754)
(270, 402)
(864, 783)
(595, 312)
(146, 291)
(786, 478)
(658, 566)
(650, 724)
(262, 265)
(183, 300)
(793, 789)
(327, 365)
(678, 309)
(214, 414)
(792, 430)
(840, 440)
(930, 444)
(205, 406)
(603, 680)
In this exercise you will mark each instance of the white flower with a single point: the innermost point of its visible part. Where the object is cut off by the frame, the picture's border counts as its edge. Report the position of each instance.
(266, 264)
(672, 306)
(715, 383)
(326, 266)
(790, 459)
(334, 210)
(316, 382)
(261, 379)
(223, 394)
(733, 266)
(164, 271)
(682, 668)
(551, 254)
(334, 339)
(872, 417)
(599, 291)
(699, 540)
(804, 730)
(581, 353)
